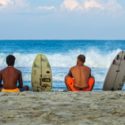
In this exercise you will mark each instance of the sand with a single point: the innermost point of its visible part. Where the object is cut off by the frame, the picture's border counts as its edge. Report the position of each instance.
(62, 108)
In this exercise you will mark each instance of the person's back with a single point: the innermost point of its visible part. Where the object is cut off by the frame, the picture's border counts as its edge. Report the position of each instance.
(10, 77)
(81, 75)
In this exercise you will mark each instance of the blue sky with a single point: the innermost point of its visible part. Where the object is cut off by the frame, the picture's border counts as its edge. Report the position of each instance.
(62, 19)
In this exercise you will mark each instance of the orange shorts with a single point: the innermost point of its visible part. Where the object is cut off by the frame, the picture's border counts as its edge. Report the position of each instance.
(70, 85)
(10, 90)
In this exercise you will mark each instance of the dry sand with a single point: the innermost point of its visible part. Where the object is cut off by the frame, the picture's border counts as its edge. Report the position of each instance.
(62, 108)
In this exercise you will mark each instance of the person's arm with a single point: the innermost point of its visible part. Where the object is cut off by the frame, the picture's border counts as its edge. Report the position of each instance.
(1, 80)
(90, 74)
(20, 80)
(68, 75)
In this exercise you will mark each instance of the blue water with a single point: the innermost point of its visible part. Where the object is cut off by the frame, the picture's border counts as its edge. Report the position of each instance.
(62, 55)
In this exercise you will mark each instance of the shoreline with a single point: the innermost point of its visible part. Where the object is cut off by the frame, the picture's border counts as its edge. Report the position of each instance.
(62, 108)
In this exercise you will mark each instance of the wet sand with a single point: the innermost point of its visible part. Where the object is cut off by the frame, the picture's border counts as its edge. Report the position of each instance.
(62, 108)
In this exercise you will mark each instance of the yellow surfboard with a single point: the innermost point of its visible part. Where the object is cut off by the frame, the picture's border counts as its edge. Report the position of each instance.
(41, 78)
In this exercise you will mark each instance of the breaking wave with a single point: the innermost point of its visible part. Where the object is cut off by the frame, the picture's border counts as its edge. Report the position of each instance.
(95, 58)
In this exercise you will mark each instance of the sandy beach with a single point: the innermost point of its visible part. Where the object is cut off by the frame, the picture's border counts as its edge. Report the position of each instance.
(62, 108)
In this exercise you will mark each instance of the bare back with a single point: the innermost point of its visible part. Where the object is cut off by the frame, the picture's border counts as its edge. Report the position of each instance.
(10, 76)
(81, 75)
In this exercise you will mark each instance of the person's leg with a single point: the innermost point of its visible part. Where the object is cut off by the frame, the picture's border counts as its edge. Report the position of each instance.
(68, 81)
(1, 87)
(70, 84)
(25, 88)
(91, 83)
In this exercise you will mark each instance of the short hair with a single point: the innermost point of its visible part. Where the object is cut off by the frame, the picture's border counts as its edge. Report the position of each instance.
(10, 60)
(82, 58)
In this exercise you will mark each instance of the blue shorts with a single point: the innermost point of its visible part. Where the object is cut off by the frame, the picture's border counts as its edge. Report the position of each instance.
(22, 89)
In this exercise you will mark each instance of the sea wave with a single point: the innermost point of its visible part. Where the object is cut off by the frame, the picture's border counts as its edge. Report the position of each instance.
(98, 60)
(95, 58)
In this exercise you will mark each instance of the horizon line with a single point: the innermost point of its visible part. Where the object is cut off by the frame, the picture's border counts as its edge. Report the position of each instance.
(61, 39)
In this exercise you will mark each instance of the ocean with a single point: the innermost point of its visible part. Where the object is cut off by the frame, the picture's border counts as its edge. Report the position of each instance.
(62, 55)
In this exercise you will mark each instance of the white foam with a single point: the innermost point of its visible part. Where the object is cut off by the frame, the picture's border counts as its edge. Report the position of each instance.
(95, 58)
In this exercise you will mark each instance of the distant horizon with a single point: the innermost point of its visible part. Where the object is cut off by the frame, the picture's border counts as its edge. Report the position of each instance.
(62, 39)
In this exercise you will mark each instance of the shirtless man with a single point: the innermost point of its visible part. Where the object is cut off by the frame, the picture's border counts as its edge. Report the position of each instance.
(80, 73)
(11, 76)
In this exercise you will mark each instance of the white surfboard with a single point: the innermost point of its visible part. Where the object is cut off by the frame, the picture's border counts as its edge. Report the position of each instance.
(116, 75)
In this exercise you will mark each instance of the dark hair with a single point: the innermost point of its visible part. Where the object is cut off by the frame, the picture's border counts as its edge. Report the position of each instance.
(82, 58)
(10, 60)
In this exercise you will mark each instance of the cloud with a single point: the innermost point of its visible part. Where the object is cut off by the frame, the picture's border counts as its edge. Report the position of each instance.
(77, 5)
(21, 3)
(83, 5)
(70, 4)
(90, 4)
(25, 6)
(113, 6)
(46, 8)
(4, 3)
(13, 3)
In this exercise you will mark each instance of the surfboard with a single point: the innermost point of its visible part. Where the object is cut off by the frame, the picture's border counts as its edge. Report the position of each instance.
(41, 78)
(115, 77)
